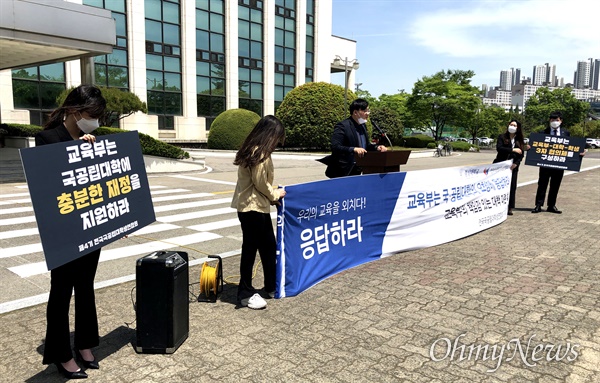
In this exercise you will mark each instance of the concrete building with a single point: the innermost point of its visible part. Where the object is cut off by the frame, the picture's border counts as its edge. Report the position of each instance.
(523, 92)
(539, 75)
(189, 60)
(582, 74)
(499, 97)
(506, 79)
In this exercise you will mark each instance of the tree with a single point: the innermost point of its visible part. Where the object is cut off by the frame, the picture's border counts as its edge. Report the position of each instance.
(446, 97)
(545, 101)
(488, 121)
(388, 120)
(310, 111)
(119, 104)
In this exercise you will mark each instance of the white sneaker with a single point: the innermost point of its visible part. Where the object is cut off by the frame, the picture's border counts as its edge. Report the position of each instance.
(255, 302)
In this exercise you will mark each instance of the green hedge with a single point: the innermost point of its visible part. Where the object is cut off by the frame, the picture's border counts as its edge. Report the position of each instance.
(462, 146)
(418, 141)
(150, 146)
(229, 130)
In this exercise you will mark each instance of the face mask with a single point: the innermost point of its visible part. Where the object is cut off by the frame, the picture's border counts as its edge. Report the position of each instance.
(512, 129)
(555, 124)
(87, 126)
(362, 121)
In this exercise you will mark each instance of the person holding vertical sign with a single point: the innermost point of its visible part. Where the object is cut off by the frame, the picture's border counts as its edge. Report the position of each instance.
(511, 145)
(75, 119)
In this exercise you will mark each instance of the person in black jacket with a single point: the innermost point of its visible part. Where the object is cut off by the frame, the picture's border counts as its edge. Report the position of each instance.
(511, 146)
(349, 137)
(550, 175)
(75, 119)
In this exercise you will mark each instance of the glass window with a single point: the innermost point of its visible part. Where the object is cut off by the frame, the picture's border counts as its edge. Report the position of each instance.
(243, 29)
(121, 24)
(290, 25)
(217, 87)
(155, 102)
(154, 80)
(30, 73)
(309, 44)
(256, 50)
(279, 37)
(256, 16)
(202, 68)
(244, 13)
(290, 56)
(121, 42)
(216, 23)
(173, 103)
(172, 64)
(154, 62)
(279, 22)
(256, 90)
(244, 89)
(152, 10)
(117, 57)
(153, 31)
(48, 94)
(115, 5)
(256, 32)
(202, 84)
(52, 72)
(243, 48)
(117, 76)
(217, 43)
(290, 39)
(217, 70)
(202, 4)
(93, 3)
(171, 12)
(244, 74)
(216, 6)
(256, 75)
(279, 93)
(100, 74)
(202, 40)
(289, 80)
(25, 94)
(278, 54)
(173, 82)
(171, 34)
(201, 19)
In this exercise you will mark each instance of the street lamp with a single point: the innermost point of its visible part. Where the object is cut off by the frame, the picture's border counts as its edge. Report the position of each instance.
(354, 65)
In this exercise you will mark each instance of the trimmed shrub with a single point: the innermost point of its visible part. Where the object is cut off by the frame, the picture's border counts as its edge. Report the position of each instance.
(229, 130)
(462, 146)
(310, 111)
(418, 141)
(22, 130)
(431, 145)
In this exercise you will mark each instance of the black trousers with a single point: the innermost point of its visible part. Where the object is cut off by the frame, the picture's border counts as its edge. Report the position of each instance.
(552, 176)
(79, 275)
(513, 188)
(257, 235)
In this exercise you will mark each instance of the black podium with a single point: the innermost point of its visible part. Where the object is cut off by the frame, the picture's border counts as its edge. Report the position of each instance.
(162, 302)
(382, 162)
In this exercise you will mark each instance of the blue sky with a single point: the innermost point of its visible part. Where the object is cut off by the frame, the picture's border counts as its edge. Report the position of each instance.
(400, 41)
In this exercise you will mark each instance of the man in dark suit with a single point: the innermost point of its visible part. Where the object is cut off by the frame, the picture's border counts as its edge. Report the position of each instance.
(349, 137)
(549, 175)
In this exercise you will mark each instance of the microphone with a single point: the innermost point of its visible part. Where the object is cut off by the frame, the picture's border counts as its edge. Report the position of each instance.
(382, 132)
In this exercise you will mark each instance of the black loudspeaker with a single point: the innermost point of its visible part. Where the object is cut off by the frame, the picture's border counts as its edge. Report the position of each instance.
(162, 304)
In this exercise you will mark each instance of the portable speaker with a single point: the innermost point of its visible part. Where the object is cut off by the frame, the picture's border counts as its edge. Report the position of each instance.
(162, 307)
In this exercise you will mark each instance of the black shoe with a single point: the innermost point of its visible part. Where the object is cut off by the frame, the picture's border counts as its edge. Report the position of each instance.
(510, 212)
(553, 209)
(86, 363)
(537, 209)
(71, 375)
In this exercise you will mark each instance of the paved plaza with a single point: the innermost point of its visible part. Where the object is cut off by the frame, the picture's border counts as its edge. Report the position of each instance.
(519, 302)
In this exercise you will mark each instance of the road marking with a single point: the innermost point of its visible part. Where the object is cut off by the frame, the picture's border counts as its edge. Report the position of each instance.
(37, 268)
(203, 180)
(188, 205)
(195, 214)
(18, 233)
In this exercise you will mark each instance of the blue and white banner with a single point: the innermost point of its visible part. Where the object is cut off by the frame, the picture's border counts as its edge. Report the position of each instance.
(328, 226)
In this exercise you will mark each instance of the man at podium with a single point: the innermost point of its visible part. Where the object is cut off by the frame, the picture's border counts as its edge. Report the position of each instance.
(349, 137)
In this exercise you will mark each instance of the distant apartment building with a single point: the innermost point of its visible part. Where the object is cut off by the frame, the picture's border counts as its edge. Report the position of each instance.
(506, 79)
(539, 75)
(595, 75)
(523, 92)
(516, 76)
(499, 97)
(581, 79)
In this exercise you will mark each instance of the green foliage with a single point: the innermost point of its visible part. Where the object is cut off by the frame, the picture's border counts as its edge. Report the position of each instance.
(461, 146)
(489, 121)
(309, 113)
(544, 102)
(418, 141)
(388, 120)
(229, 130)
(587, 129)
(431, 145)
(119, 104)
(22, 130)
(446, 97)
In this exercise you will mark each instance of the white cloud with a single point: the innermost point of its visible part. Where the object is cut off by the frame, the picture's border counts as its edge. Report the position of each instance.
(516, 29)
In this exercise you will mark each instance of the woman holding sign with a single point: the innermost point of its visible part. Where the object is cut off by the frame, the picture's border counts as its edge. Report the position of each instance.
(75, 119)
(253, 197)
(511, 146)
